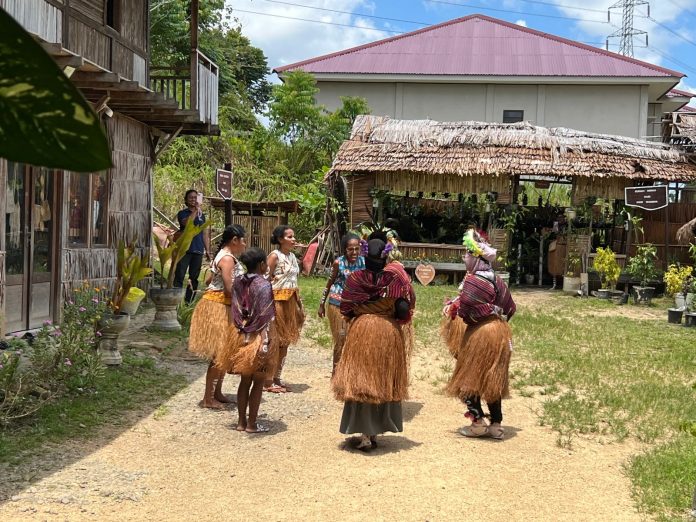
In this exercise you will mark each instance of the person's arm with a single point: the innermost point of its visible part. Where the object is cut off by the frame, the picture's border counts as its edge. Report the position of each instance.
(329, 284)
(272, 262)
(226, 268)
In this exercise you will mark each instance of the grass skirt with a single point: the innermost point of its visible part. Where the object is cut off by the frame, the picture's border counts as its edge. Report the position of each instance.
(242, 354)
(289, 317)
(339, 327)
(373, 366)
(209, 331)
(452, 333)
(482, 362)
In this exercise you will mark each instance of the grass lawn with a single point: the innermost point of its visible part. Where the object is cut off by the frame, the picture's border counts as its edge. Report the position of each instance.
(602, 371)
(134, 386)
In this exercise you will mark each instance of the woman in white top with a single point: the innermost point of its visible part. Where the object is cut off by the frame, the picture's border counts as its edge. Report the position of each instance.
(283, 271)
(210, 322)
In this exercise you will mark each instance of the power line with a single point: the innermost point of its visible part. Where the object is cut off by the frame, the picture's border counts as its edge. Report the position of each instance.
(627, 31)
(589, 9)
(675, 33)
(557, 17)
(318, 21)
(672, 59)
(349, 13)
(692, 13)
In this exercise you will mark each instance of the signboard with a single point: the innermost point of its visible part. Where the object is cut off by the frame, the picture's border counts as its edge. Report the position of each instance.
(542, 184)
(223, 183)
(425, 274)
(647, 198)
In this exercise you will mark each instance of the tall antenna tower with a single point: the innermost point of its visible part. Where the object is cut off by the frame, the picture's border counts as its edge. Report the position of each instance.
(627, 31)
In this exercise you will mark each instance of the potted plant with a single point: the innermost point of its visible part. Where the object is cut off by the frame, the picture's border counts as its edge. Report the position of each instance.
(642, 268)
(677, 281)
(130, 270)
(571, 279)
(608, 269)
(167, 298)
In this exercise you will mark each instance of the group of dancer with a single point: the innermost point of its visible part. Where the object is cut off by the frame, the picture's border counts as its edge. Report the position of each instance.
(251, 312)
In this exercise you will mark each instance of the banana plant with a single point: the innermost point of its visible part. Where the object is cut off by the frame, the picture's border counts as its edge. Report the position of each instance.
(130, 270)
(173, 252)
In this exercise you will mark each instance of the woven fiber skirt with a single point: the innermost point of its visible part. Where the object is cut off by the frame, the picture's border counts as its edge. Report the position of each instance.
(244, 355)
(209, 331)
(289, 318)
(452, 333)
(339, 327)
(482, 362)
(371, 419)
(373, 366)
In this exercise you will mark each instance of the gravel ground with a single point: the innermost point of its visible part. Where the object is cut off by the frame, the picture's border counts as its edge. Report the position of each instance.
(180, 462)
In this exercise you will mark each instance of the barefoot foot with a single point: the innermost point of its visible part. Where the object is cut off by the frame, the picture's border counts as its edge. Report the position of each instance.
(212, 404)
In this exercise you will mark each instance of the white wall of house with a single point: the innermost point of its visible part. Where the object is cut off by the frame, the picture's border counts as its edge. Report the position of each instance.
(609, 109)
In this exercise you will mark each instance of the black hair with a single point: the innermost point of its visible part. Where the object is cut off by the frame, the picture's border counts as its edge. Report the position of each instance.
(251, 258)
(189, 191)
(374, 260)
(279, 233)
(347, 239)
(378, 234)
(230, 232)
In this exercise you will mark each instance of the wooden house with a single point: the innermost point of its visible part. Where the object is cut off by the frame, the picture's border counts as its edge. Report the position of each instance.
(60, 229)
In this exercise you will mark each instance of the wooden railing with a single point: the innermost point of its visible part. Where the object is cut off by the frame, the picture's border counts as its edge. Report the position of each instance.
(194, 87)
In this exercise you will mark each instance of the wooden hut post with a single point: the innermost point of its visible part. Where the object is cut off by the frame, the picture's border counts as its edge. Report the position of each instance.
(228, 202)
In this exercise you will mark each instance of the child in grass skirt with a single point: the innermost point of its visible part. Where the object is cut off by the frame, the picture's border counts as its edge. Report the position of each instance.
(249, 351)
(483, 357)
(371, 377)
(209, 331)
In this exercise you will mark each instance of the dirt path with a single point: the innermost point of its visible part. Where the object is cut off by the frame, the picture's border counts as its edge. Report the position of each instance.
(185, 463)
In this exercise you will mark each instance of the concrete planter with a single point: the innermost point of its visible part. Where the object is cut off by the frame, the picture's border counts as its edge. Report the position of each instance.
(571, 285)
(111, 327)
(643, 294)
(166, 300)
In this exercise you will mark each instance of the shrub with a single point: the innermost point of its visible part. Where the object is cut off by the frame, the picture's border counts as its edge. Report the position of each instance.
(678, 279)
(607, 267)
(642, 265)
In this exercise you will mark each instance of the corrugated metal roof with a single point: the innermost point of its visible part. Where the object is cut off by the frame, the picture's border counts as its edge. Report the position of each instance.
(479, 45)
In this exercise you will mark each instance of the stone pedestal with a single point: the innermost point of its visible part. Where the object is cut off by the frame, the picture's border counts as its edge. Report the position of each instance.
(166, 301)
(111, 326)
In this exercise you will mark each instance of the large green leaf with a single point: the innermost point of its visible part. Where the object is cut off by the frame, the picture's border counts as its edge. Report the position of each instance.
(44, 120)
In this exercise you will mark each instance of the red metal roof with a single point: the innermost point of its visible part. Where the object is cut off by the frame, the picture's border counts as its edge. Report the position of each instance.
(678, 93)
(478, 45)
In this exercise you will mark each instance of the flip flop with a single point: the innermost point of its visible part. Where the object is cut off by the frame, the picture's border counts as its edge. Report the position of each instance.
(274, 388)
(260, 428)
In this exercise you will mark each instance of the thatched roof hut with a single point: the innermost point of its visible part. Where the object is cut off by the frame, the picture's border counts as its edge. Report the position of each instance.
(470, 157)
(685, 234)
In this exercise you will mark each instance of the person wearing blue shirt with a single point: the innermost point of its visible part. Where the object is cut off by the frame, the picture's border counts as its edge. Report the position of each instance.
(200, 245)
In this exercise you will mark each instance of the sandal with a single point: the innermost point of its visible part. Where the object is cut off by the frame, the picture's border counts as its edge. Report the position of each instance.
(283, 385)
(477, 428)
(274, 388)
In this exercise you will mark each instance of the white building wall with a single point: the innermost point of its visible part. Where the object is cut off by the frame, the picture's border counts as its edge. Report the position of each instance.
(609, 109)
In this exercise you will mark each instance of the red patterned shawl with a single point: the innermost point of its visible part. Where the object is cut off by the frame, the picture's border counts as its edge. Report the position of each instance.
(481, 298)
(252, 303)
(365, 286)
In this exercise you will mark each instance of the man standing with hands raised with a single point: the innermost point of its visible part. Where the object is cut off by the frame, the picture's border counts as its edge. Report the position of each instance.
(200, 245)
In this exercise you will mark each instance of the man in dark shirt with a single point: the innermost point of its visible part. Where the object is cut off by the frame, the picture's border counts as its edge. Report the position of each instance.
(193, 259)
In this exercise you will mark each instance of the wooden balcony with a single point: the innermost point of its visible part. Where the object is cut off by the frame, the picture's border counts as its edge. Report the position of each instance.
(194, 88)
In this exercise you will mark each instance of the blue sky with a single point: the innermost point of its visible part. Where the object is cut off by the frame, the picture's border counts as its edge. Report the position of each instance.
(276, 26)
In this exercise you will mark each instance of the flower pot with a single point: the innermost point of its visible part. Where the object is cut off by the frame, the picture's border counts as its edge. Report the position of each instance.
(643, 294)
(132, 301)
(690, 301)
(166, 300)
(571, 284)
(529, 279)
(680, 301)
(505, 276)
(674, 315)
(110, 327)
(690, 319)
(603, 293)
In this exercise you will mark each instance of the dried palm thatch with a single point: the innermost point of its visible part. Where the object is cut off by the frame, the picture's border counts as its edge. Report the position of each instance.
(685, 234)
(380, 144)
(680, 127)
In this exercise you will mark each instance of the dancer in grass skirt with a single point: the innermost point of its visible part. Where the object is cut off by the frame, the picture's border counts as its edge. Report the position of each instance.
(209, 331)
(483, 357)
(371, 377)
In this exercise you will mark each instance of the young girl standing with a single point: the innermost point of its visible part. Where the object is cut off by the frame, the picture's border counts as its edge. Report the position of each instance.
(283, 271)
(209, 332)
(252, 313)
(342, 267)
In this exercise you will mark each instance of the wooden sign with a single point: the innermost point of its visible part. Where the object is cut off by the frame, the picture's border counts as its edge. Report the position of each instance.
(425, 274)
(647, 198)
(223, 183)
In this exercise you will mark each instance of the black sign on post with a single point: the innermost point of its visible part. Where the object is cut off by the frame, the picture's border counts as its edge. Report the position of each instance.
(647, 198)
(223, 183)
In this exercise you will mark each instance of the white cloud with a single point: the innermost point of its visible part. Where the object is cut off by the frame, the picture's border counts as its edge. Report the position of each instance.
(287, 40)
(521, 22)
